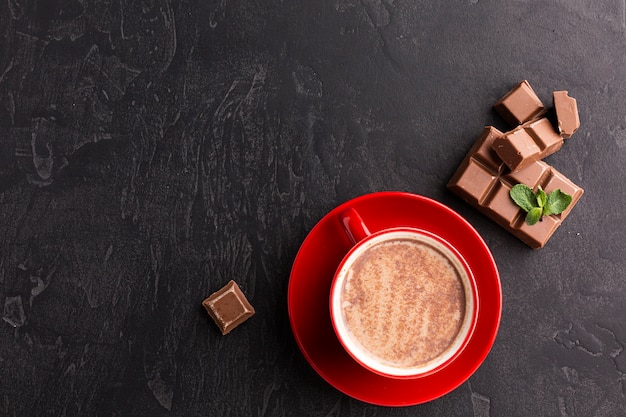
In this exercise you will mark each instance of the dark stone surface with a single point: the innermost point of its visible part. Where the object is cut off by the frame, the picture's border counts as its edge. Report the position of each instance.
(151, 151)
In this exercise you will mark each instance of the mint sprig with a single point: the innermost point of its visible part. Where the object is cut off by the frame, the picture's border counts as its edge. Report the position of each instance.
(539, 204)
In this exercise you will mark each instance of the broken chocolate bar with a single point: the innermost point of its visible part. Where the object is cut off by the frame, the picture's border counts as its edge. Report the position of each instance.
(228, 307)
(484, 181)
(520, 105)
(566, 113)
(527, 143)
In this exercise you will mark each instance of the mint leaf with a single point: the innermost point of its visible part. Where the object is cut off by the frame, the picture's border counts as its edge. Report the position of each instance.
(523, 197)
(556, 202)
(533, 216)
(541, 197)
(539, 204)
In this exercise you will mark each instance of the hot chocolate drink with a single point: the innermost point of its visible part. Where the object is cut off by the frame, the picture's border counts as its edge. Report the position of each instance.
(404, 305)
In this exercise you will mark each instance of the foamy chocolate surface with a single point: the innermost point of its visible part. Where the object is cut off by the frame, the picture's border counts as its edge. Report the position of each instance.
(404, 302)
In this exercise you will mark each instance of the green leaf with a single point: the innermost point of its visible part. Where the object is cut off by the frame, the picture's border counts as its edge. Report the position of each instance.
(523, 197)
(533, 216)
(557, 201)
(541, 197)
(539, 204)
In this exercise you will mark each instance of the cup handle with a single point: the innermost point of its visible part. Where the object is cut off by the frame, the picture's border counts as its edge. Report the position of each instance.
(353, 225)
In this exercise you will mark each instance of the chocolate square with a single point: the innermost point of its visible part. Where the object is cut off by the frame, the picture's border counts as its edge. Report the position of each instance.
(532, 175)
(520, 104)
(473, 180)
(538, 234)
(501, 207)
(517, 149)
(228, 307)
(482, 148)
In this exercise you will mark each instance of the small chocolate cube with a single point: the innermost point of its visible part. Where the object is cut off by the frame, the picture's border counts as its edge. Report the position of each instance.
(520, 105)
(228, 307)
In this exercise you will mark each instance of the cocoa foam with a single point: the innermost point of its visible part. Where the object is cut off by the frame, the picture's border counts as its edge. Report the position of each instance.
(404, 302)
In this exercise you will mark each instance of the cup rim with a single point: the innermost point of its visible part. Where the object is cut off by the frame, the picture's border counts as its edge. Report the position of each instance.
(473, 313)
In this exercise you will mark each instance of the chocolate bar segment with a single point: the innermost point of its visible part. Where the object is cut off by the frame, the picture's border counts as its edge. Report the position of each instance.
(516, 148)
(520, 105)
(545, 136)
(566, 113)
(478, 174)
(486, 186)
(527, 143)
(482, 148)
(228, 307)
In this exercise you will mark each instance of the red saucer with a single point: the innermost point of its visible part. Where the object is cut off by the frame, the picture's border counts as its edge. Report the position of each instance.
(309, 289)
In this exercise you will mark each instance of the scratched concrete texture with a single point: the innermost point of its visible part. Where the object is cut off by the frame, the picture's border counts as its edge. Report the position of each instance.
(151, 151)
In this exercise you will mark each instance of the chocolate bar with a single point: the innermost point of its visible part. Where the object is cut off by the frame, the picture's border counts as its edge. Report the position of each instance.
(520, 105)
(527, 143)
(228, 307)
(566, 113)
(484, 181)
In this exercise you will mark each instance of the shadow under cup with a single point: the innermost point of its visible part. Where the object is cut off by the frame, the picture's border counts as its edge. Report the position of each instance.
(403, 301)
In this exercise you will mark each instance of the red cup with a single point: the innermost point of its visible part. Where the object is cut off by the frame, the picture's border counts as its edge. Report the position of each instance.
(403, 301)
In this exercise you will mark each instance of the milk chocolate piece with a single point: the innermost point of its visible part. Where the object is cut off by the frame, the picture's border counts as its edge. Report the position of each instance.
(520, 105)
(566, 113)
(485, 184)
(527, 143)
(228, 307)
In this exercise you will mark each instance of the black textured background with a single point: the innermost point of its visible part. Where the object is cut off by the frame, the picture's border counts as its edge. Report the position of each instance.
(151, 151)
